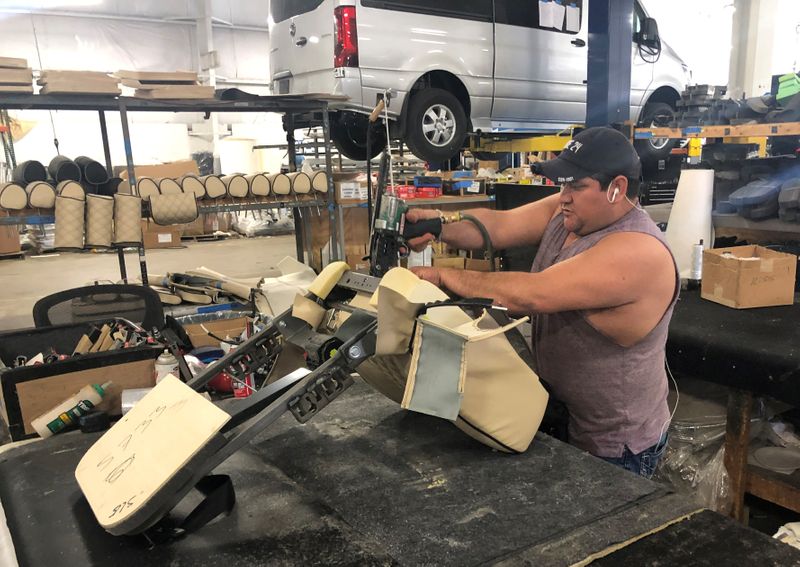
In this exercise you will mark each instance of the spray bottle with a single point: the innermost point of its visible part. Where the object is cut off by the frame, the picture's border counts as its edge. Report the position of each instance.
(70, 410)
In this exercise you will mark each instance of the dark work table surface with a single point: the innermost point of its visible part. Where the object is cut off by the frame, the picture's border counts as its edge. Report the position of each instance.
(364, 483)
(751, 349)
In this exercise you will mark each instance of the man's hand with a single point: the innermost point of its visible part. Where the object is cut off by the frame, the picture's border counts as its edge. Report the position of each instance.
(415, 215)
(428, 274)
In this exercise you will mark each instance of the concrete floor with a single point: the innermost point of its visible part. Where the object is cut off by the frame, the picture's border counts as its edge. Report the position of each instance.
(23, 282)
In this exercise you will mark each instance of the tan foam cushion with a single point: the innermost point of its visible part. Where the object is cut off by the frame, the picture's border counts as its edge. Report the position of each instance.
(215, 188)
(169, 186)
(259, 184)
(12, 197)
(41, 195)
(191, 184)
(236, 185)
(281, 185)
(71, 189)
(301, 183)
(147, 188)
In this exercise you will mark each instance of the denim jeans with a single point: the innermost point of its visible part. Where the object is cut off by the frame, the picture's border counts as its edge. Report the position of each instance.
(644, 463)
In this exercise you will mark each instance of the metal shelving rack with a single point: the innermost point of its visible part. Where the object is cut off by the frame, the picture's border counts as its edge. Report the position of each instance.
(290, 106)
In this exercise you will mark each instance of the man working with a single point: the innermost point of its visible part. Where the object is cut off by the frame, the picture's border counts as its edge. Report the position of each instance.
(601, 291)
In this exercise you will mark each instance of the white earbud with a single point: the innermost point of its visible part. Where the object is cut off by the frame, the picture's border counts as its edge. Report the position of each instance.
(614, 196)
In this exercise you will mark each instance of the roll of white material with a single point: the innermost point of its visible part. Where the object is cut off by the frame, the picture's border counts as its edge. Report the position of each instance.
(690, 219)
(236, 155)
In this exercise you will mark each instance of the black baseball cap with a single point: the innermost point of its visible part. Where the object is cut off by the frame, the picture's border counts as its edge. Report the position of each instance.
(593, 151)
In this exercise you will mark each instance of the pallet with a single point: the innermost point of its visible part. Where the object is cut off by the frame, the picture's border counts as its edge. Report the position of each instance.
(203, 237)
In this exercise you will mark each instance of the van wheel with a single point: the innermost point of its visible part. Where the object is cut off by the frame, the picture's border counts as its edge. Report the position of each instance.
(655, 115)
(349, 135)
(435, 125)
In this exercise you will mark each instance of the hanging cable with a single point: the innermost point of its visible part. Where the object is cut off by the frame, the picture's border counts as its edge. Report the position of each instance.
(386, 97)
(39, 57)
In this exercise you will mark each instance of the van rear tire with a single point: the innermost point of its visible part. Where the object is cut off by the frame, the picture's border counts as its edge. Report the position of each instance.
(653, 150)
(349, 135)
(436, 125)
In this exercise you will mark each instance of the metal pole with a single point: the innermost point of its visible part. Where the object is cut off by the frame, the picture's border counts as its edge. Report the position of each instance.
(126, 140)
(288, 125)
(123, 271)
(608, 92)
(337, 236)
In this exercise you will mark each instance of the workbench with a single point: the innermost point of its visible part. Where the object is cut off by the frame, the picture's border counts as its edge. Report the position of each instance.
(754, 352)
(369, 484)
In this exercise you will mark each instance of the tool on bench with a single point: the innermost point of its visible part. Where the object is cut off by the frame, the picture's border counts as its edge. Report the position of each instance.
(389, 232)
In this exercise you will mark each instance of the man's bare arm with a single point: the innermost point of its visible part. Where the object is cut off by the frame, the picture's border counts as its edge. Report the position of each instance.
(614, 272)
(523, 226)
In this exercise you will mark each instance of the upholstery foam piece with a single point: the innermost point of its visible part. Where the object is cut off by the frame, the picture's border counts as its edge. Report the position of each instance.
(169, 186)
(308, 310)
(41, 195)
(69, 223)
(301, 182)
(503, 402)
(259, 184)
(281, 185)
(327, 279)
(127, 219)
(71, 189)
(147, 187)
(99, 221)
(191, 184)
(319, 182)
(13, 197)
(236, 185)
(215, 188)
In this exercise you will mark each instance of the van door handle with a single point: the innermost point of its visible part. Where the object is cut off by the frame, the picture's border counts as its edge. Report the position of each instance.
(301, 42)
(578, 42)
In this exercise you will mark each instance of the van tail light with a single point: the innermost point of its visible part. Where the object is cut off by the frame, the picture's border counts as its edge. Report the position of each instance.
(345, 53)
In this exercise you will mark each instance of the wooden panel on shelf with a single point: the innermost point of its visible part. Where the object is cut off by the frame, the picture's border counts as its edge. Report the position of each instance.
(158, 76)
(723, 131)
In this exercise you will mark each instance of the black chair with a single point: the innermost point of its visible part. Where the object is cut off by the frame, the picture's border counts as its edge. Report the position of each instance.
(137, 303)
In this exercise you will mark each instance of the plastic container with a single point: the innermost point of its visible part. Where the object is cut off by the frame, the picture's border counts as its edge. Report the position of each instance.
(70, 410)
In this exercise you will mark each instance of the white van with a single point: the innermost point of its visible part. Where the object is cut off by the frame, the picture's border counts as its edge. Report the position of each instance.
(459, 66)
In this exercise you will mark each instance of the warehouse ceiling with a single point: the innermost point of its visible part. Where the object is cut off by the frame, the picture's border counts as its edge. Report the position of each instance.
(235, 12)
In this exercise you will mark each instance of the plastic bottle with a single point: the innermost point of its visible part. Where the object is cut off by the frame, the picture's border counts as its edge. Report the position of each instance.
(697, 261)
(67, 412)
(166, 364)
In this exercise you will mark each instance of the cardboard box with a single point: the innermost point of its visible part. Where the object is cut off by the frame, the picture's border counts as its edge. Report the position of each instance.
(748, 276)
(9, 238)
(156, 236)
(220, 327)
(348, 188)
(27, 392)
(171, 169)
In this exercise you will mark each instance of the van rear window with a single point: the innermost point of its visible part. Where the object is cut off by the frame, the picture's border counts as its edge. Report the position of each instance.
(281, 10)
(480, 10)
